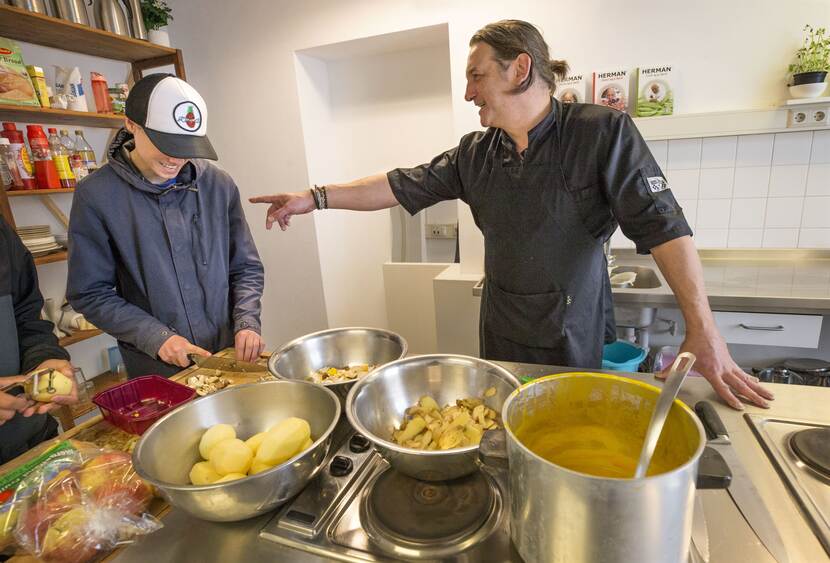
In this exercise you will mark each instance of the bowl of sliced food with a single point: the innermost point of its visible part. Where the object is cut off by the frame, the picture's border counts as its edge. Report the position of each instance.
(337, 357)
(426, 414)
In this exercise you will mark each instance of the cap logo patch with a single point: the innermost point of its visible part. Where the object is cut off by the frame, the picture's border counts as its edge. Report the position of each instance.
(187, 116)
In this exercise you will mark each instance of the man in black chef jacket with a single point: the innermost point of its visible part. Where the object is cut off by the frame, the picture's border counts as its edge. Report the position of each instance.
(547, 184)
(26, 344)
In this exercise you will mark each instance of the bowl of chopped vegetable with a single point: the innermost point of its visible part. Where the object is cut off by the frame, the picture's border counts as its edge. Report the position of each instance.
(426, 414)
(337, 357)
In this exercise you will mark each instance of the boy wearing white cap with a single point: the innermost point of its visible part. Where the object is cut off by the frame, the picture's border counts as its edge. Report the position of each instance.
(160, 253)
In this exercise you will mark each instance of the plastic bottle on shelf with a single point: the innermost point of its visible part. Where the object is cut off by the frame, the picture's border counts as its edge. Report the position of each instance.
(9, 174)
(100, 91)
(75, 159)
(46, 173)
(20, 154)
(86, 152)
(61, 157)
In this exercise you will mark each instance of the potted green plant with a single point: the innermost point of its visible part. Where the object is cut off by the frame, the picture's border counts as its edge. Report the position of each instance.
(157, 14)
(812, 64)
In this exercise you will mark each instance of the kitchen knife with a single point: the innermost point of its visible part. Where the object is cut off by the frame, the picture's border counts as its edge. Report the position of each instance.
(743, 492)
(226, 364)
(700, 535)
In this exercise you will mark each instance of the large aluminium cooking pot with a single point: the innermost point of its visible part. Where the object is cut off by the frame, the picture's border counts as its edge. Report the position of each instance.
(572, 443)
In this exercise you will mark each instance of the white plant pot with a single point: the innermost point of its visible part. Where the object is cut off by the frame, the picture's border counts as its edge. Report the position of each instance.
(159, 37)
(812, 90)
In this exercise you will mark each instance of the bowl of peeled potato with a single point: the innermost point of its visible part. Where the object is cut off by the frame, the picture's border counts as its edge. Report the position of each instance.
(426, 414)
(242, 452)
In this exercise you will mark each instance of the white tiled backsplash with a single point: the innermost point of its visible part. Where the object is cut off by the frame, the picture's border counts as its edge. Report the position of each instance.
(750, 191)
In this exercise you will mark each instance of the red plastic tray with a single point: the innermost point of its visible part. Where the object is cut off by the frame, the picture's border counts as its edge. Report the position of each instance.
(136, 404)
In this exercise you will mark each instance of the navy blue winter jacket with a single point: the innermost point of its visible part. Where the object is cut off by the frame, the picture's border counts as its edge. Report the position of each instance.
(147, 262)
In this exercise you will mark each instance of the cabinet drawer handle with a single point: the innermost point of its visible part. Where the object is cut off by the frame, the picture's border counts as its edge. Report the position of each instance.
(776, 328)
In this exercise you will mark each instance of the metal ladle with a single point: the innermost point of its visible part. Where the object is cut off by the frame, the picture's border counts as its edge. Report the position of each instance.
(661, 410)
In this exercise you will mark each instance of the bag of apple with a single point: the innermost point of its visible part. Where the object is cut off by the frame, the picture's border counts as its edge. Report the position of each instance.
(81, 504)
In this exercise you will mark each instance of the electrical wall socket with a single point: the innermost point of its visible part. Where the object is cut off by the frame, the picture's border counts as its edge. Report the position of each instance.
(447, 231)
(809, 116)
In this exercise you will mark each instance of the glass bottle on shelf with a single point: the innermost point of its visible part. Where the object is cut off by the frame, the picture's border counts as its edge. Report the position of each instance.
(8, 167)
(86, 389)
(75, 160)
(86, 152)
(61, 157)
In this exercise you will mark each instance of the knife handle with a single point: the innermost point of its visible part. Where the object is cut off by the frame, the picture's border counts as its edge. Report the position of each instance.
(711, 421)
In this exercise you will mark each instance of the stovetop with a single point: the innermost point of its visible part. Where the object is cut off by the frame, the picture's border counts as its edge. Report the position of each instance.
(359, 509)
(810, 488)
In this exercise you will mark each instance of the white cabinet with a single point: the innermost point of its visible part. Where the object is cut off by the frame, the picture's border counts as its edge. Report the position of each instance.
(767, 329)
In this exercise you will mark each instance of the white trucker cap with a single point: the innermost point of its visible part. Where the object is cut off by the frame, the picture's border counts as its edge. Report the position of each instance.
(173, 115)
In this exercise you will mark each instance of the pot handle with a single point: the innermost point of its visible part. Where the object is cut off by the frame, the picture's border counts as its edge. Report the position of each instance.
(712, 470)
(492, 450)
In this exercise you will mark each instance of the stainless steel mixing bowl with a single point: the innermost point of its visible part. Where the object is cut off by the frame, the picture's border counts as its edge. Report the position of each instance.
(170, 447)
(377, 403)
(336, 347)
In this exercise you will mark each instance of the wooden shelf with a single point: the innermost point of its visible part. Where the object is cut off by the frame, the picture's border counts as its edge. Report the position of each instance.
(19, 193)
(54, 257)
(52, 116)
(22, 25)
(79, 336)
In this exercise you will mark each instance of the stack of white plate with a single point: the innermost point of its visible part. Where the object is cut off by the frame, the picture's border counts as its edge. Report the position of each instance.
(38, 239)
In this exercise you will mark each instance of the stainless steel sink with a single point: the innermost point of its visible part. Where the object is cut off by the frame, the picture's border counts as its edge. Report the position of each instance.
(646, 277)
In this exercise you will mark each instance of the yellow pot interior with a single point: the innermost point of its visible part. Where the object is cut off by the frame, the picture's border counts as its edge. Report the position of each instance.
(595, 424)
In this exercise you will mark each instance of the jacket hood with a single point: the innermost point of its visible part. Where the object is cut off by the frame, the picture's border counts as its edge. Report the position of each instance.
(119, 160)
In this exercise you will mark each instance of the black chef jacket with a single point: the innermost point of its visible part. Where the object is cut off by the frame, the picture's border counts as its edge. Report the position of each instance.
(545, 215)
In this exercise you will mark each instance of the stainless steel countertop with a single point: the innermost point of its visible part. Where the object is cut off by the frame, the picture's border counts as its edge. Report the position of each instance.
(769, 281)
(186, 539)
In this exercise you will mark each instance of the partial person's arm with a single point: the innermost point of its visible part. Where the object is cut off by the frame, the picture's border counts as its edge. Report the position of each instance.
(37, 343)
(679, 262)
(366, 194)
(38, 346)
(246, 281)
(91, 291)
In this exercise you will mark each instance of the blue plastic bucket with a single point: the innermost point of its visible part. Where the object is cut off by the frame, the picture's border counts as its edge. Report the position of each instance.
(622, 356)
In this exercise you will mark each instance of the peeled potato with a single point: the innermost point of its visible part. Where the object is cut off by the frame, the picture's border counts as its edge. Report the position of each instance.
(283, 441)
(58, 382)
(291, 424)
(231, 477)
(258, 467)
(307, 444)
(203, 473)
(215, 434)
(231, 456)
(254, 441)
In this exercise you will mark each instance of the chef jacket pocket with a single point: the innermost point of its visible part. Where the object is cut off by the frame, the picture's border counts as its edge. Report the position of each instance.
(536, 319)
(657, 186)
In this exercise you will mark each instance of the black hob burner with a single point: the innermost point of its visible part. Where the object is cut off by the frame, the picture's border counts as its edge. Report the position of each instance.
(812, 447)
(432, 517)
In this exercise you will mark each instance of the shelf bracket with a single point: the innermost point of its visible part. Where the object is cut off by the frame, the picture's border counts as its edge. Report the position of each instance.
(55, 210)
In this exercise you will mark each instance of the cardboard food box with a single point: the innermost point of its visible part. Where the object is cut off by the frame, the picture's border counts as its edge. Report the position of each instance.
(655, 91)
(571, 89)
(611, 88)
(15, 85)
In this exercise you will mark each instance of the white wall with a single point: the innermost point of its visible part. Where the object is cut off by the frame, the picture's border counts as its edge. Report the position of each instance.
(733, 55)
(361, 113)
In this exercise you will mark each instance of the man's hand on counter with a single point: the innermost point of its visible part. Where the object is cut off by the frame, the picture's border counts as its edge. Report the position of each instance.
(176, 348)
(728, 380)
(249, 345)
